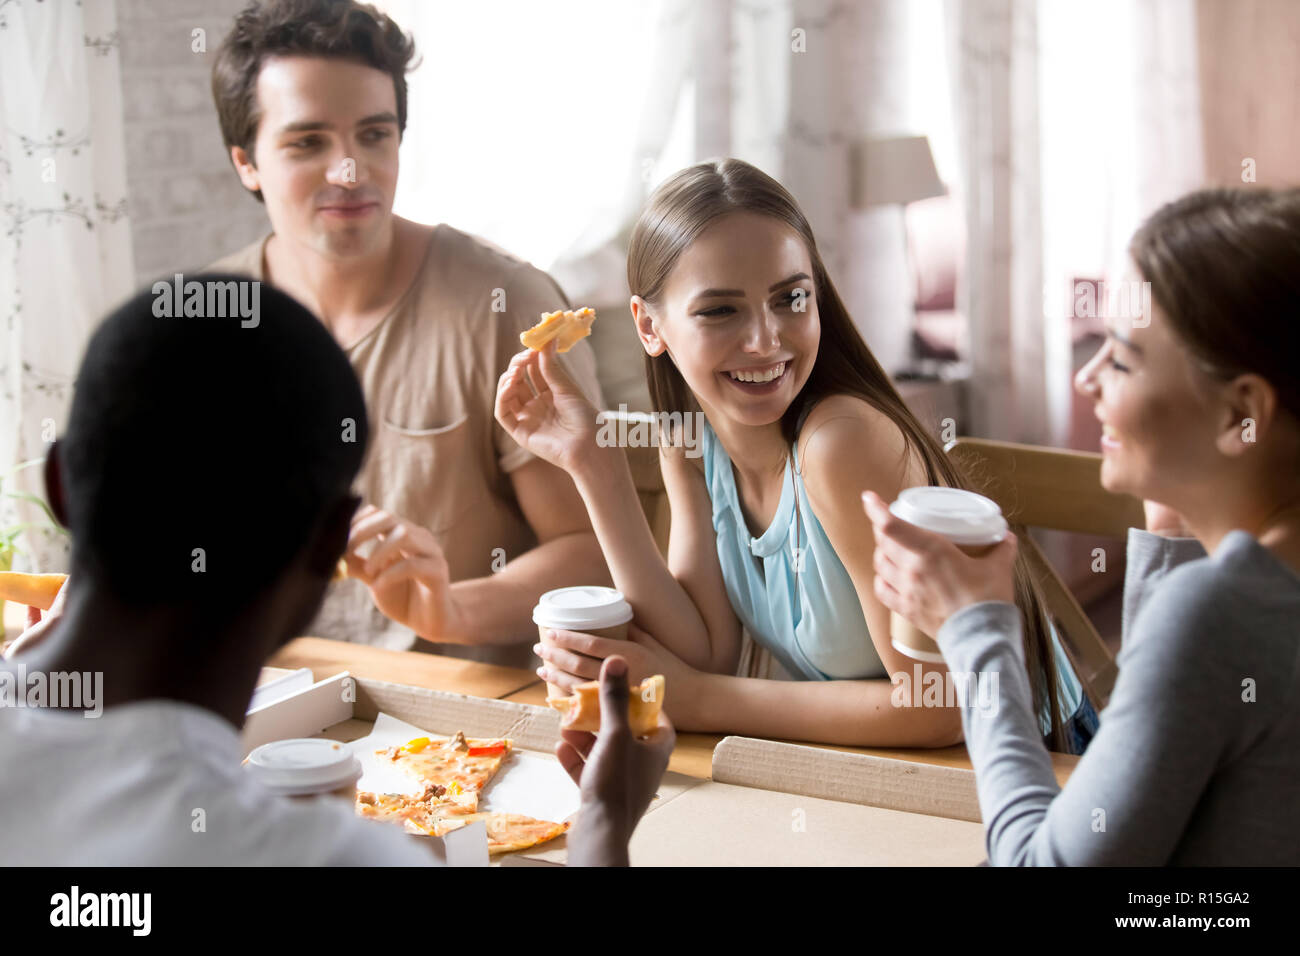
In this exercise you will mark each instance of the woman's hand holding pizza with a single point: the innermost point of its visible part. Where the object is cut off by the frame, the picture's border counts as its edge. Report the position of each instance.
(557, 424)
(406, 573)
(572, 658)
(925, 577)
(617, 773)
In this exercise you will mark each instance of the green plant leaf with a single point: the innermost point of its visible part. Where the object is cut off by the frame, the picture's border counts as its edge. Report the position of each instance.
(40, 503)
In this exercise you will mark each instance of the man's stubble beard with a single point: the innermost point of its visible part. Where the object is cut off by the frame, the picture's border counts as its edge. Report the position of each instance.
(351, 241)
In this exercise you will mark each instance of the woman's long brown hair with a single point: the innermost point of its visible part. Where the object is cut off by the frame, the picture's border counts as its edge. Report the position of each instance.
(680, 209)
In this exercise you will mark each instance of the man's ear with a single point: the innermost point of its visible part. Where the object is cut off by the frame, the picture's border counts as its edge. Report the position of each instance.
(333, 538)
(1249, 409)
(646, 326)
(54, 485)
(246, 168)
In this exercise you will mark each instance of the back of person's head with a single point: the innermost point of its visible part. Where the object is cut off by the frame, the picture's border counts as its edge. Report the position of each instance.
(330, 29)
(1224, 267)
(203, 452)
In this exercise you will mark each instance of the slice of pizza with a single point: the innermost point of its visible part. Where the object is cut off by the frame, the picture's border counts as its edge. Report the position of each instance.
(506, 832)
(463, 765)
(34, 590)
(430, 815)
(422, 811)
(566, 327)
(581, 710)
(395, 807)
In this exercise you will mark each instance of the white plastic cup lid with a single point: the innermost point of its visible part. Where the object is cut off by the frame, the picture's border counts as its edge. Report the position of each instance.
(963, 517)
(303, 766)
(582, 608)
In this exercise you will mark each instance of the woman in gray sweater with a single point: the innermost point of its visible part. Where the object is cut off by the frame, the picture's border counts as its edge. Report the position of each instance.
(1197, 758)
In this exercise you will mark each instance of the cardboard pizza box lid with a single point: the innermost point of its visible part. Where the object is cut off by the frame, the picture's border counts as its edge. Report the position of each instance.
(719, 824)
(300, 713)
(863, 779)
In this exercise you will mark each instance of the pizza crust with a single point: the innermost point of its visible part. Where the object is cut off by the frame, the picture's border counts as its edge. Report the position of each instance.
(34, 590)
(506, 832)
(581, 710)
(566, 327)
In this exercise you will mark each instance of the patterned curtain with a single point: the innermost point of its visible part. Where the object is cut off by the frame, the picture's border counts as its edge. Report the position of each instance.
(65, 244)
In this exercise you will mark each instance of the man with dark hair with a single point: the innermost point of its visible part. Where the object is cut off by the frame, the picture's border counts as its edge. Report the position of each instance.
(205, 479)
(468, 528)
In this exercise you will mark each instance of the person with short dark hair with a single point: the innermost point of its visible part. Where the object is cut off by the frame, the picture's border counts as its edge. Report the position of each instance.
(205, 478)
(469, 527)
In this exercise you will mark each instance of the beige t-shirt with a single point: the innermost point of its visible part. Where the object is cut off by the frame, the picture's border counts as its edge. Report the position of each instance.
(437, 455)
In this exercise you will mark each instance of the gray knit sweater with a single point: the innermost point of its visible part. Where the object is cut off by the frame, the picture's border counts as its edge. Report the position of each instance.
(1197, 759)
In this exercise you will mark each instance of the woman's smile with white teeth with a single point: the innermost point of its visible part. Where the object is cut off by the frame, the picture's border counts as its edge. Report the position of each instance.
(759, 376)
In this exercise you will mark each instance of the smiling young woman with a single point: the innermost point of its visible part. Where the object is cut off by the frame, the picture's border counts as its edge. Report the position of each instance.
(741, 324)
(1197, 758)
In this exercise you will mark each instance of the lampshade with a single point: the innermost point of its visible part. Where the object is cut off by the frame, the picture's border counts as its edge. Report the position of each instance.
(895, 169)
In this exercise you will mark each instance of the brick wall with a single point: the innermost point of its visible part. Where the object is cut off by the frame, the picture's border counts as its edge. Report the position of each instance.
(187, 205)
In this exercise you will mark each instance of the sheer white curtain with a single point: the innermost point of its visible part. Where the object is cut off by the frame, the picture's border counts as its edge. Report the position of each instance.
(524, 116)
(790, 86)
(1074, 122)
(65, 250)
(546, 130)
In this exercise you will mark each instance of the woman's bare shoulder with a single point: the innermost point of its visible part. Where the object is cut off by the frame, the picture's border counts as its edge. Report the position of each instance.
(846, 441)
(839, 422)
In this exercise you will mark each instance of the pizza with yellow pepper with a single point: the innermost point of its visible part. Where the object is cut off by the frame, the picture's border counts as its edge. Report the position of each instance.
(454, 772)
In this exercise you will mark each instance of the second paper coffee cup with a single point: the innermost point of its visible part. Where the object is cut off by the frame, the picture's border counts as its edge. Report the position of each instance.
(972, 522)
(306, 767)
(603, 612)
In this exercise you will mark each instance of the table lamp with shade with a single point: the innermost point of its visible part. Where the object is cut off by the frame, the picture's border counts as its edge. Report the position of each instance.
(888, 173)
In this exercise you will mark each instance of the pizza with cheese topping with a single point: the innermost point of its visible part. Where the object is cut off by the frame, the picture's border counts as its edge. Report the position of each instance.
(454, 772)
(506, 832)
(463, 765)
(566, 327)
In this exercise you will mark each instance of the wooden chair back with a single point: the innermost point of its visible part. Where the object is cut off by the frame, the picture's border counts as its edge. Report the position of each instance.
(1060, 489)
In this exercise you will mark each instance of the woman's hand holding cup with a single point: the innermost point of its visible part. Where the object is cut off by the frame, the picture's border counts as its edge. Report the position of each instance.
(924, 577)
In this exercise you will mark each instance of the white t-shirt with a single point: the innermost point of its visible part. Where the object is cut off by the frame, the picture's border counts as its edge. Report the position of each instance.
(127, 788)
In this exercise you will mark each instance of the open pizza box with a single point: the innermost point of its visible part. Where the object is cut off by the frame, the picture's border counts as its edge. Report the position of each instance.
(768, 803)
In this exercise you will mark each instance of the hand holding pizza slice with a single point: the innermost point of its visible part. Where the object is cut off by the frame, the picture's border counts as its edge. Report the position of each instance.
(41, 593)
(581, 710)
(617, 772)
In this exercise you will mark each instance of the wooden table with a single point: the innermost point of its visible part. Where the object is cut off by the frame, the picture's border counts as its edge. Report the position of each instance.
(693, 755)
(326, 658)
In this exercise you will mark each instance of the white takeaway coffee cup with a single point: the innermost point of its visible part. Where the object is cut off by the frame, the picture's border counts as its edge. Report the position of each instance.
(304, 767)
(972, 522)
(601, 611)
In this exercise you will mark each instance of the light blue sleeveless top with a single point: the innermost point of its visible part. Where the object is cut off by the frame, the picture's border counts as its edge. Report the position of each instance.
(792, 592)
